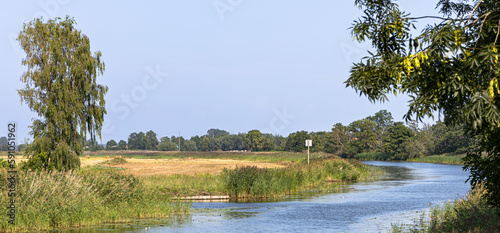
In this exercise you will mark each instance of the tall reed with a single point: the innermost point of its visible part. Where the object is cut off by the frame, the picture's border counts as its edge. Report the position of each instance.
(251, 181)
(469, 214)
(47, 200)
(445, 159)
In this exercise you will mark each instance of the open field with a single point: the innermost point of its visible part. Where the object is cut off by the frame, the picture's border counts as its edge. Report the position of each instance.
(186, 166)
(270, 156)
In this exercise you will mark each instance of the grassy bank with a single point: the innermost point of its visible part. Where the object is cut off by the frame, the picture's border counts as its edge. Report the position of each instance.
(469, 214)
(47, 200)
(253, 182)
(445, 159)
(186, 185)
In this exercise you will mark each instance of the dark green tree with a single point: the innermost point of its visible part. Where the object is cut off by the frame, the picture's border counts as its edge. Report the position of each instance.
(317, 145)
(122, 145)
(364, 133)
(189, 146)
(395, 138)
(197, 140)
(215, 144)
(111, 145)
(336, 141)
(167, 146)
(216, 133)
(297, 141)
(151, 140)
(277, 141)
(451, 67)
(382, 119)
(449, 139)
(137, 141)
(61, 88)
(205, 144)
(255, 141)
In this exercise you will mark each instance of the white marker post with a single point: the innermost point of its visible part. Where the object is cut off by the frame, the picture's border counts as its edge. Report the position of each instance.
(308, 144)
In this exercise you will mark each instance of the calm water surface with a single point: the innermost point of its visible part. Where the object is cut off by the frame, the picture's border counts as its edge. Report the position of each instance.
(400, 197)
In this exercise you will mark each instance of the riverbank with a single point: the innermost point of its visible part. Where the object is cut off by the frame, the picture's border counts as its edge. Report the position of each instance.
(51, 200)
(441, 159)
(116, 188)
(243, 178)
(468, 214)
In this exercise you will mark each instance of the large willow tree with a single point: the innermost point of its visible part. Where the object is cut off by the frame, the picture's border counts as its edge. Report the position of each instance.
(61, 88)
(450, 67)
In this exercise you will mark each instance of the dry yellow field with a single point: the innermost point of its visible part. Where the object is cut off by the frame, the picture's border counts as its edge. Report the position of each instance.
(190, 166)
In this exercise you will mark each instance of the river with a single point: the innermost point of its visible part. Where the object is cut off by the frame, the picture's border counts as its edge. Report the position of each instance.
(399, 197)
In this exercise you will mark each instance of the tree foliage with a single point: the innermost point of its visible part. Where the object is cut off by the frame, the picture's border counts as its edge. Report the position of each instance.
(451, 67)
(255, 141)
(111, 145)
(364, 136)
(395, 138)
(151, 140)
(336, 141)
(296, 141)
(205, 144)
(137, 141)
(60, 86)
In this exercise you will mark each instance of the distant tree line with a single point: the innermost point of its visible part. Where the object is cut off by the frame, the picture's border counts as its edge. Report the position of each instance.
(378, 133)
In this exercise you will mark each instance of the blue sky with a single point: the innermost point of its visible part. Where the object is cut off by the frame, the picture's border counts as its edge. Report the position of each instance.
(191, 65)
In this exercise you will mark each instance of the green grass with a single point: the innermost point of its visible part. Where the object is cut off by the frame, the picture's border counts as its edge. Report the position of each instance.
(469, 214)
(186, 185)
(445, 159)
(48, 200)
(254, 182)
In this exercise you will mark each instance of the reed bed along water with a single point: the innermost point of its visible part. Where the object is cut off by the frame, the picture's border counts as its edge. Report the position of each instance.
(468, 214)
(186, 185)
(47, 200)
(254, 182)
(445, 159)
